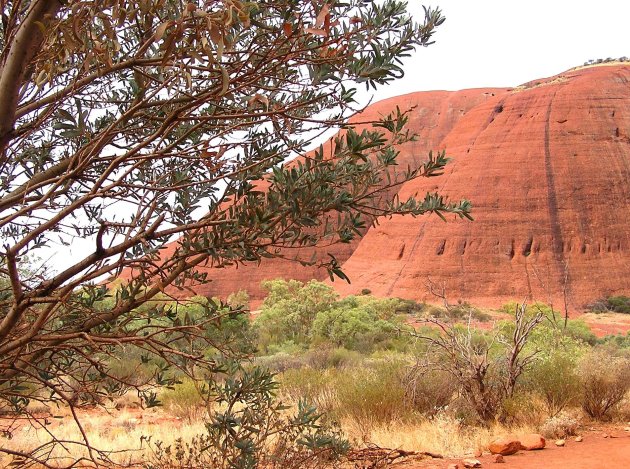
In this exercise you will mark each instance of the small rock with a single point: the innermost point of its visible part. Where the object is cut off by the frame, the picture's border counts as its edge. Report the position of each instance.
(478, 453)
(579, 438)
(453, 466)
(505, 445)
(605, 435)
(471, 463)
(560, 442)
(626, 429)
(499, 458)
(531, 441)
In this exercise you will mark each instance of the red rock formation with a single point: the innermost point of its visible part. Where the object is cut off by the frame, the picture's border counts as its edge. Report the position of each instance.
(547, 169)
(546, 166)
(434, 116)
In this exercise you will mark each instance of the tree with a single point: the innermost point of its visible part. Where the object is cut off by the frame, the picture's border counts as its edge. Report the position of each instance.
(134, 123)
(487, 366)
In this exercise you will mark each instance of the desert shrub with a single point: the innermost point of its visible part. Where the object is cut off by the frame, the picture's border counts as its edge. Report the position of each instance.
(366, 291)
(522, 408)
(553, 376)
(371, 395)
(332, 357)
(598, 306)
(314, 386)
(289, 310)
(428, 391)
(250, 428)
(187, 400)
(560, 426)
(435, 312)
(354, 329)
(239, 299)
(411, 306)
(287, 347)
(617, 340)
(363, 324)
(221, 324)
(619, 304)
(465, 310)
(129, 366)
(486, 365)
(279, 362)
(605, 380)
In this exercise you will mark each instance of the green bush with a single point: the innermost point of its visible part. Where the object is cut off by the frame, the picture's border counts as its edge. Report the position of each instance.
(372, 395)
(605, 380)
(617, 340)
(554, 377)
(363, 324)
(619, 304)
(251, 428)
(289, 310)
(428, 391)
(187, 400)
(314, 386)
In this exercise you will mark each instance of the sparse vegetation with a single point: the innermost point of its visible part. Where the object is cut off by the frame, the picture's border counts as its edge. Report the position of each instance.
(606, 60)
(452, 382)
(617, 304)
(604, 380)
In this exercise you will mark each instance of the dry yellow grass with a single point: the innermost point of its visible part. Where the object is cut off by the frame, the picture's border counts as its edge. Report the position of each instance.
(121, 430)
(442, 434)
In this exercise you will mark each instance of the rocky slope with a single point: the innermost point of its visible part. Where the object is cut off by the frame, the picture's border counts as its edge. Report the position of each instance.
(546, 166)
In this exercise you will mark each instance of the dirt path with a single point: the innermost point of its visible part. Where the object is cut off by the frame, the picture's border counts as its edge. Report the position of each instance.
(595, 452)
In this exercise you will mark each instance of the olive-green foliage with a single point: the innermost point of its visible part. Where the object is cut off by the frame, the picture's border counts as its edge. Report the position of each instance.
(187, 399)
(358, 323)
(249, 427)
(456, 313)
(605, 380)
(228, 328)
(239, 299)
(554, 377)
(289, 310)
(617, 340)
(552, 331)
(296, 315)
(372, 394)
(619, 304)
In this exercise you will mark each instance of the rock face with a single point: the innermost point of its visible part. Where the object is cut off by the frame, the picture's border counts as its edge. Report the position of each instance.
(434, 116)
(547, 168)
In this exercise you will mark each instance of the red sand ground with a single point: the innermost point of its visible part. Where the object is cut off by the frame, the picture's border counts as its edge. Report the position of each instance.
(595, 452)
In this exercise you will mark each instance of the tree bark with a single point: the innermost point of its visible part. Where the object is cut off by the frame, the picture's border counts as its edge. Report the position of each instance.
(23, 47)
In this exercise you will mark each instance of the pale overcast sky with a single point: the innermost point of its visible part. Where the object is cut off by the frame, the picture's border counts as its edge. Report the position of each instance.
(487, 43)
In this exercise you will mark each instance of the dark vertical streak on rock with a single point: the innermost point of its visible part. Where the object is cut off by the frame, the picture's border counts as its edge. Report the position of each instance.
(554, 218)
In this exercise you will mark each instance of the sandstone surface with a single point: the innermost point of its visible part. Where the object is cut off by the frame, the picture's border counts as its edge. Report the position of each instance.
(546, 166)
(531, 441)
(505, 445)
